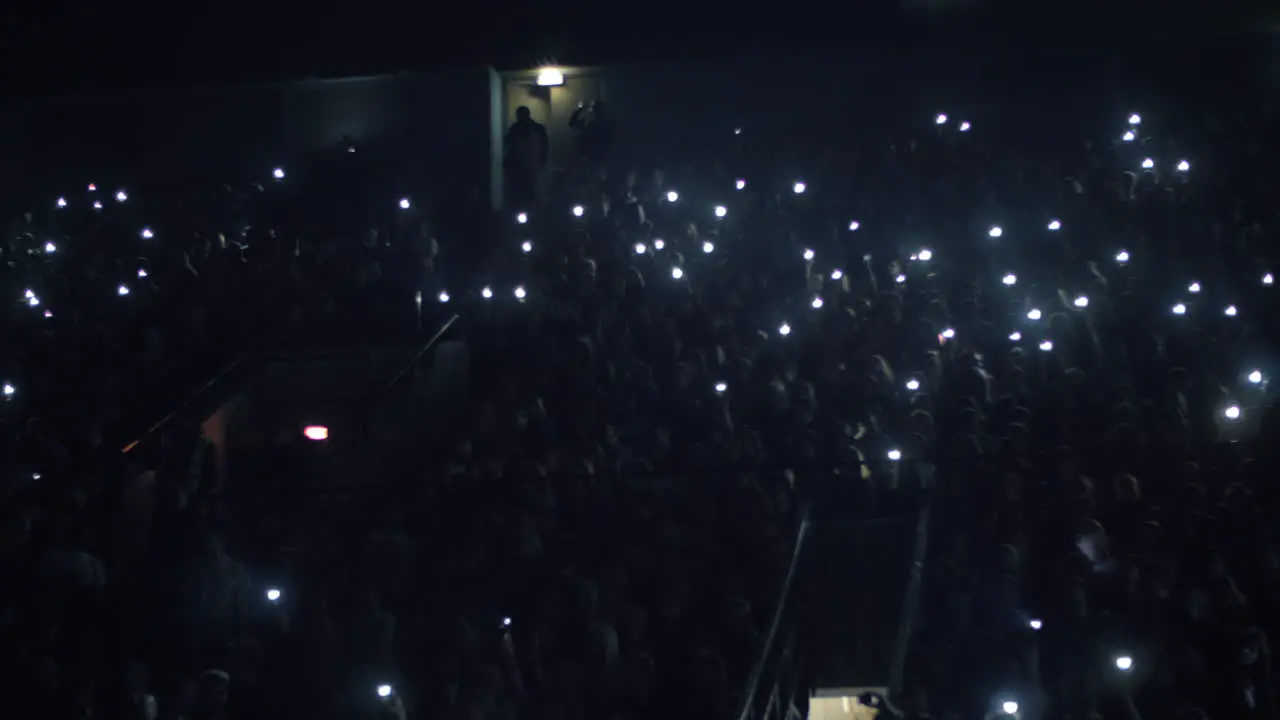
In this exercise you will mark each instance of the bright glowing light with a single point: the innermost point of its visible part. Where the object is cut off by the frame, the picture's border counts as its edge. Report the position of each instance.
(486, 292)
(894, 455)
(672, 196)
(900, 279)
(1081, 301)
(519, 292)
(854, 225)
(121, 196)
(964, 126)
(147, 234)
(550, 76)
(522, 218)
(48, 313)
(28, 293)
(1183, 166)
(913, 384)
(940, 119)
(1122, 257)
(808, 253)
(405, 204)
(1034, 314)
(93, 188)
(1124, 663)
(677, 273)
(708, 247)
(817, 303)
(1055, 225)
(837, 274)
(925, 255)
(1268, 279)
(1230, 311)
(578, 210)
(97, 204)
(1015, 336)
(1135, 119)
(33, 301)
(1128, 136)
(1179, 309)
(1148, 163)
(1255, 377)
(659, 244)
(50, 248)
(9, 390)
(784, 329)
(273, 595)
(740, 184)
(949, 333)
(526, 246)
(737, 131)
(315, 433)
(1010, 279)
(278, 173)
(142, 273)
(443, 297)
(641, 248)
(384, 691)
(62, 202)
(1035, 624)
(122, 290)
(721, 387)
(995, 231)
(1009, 707)
(798, 188)
(1193, 288)
(1232, 412)
(721, 211)
(1046, 345)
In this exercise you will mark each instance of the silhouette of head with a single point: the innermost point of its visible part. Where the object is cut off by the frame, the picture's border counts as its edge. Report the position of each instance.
(523, 114)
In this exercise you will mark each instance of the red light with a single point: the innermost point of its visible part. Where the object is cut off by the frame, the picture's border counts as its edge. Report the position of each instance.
(316, 432)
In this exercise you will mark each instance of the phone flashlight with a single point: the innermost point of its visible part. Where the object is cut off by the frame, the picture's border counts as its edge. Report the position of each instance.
(808, 254)
(384, 691)
(640, 248)
(1255, 377)
(1035, 624)
(9, 390)
(121, 196)
(798, 188)
(900, 278)
(147, 234)
(940, 119)
(1009, 707)
(817, 303)
(1231, 412)
(1124, 663)
(1148, 163)
(964, 126)
(273, 595)
(522, 218)
(1193, 288)
(854, 225)
(737, 131)
(1179, 309)
(48, 313)
(677, 273)
(721, 211)
(721, 387)
(948, 333)
(50, 248)
(1128, 136)
(708, 247)
(1268, 279)
(526, 246)
(925, 255)
(672, 196)
(519, 292)
(578, 210)
(97, 204)
(784, 329)
(62, 202)
(1055, 225)
(913, 384)
(659, 244)
(894, 455)
(1034, 314)
(33, 301)
(443, 297)
(1009, 279)
(1015, 336)
(142, 273)
(486, 292)
(837, 274)
(122, 290)
(995, 231)
(740, 184)
(1135, 119)
(1122, 257)
(1081, 301)
(278, 173)
(1046, 345)
(1183, 166)
(1230, 311)
(405, 204)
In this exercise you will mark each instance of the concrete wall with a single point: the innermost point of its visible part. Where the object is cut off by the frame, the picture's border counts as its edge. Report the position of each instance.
(423, 125)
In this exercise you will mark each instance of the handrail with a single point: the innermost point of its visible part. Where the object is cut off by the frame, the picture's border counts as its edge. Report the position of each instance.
(413, 361)
(911, 598)
(757, 672)
(186, 403)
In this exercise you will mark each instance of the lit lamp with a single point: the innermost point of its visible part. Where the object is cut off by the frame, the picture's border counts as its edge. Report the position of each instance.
(316, 432)
(548, 77)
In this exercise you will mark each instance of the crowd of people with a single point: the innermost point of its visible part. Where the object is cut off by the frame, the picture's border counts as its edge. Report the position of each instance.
(1067, 344)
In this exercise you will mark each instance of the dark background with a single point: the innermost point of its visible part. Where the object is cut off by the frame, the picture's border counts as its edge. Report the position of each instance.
(70, 47)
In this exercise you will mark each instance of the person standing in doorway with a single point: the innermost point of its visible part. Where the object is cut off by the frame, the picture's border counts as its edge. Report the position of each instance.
(526, 150)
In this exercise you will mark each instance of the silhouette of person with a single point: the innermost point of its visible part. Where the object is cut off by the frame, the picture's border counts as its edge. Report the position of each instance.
(595, 129)
(526, 150)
